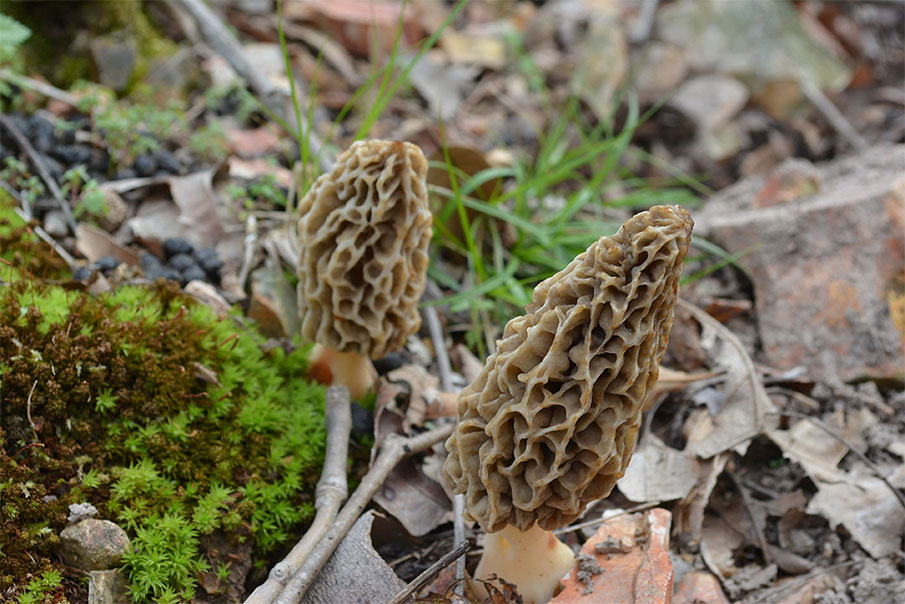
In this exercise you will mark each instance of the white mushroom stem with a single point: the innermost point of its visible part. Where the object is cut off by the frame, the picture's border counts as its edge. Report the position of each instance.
(533, 560)
(352, 370)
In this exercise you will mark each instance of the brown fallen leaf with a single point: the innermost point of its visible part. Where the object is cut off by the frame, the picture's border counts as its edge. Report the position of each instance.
(252, 142)
(249, 169)
(94, 243)
(657, 472)
(355, 570)
(194, 196)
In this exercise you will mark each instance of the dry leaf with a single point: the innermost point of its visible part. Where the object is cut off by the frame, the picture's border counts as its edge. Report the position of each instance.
(249, 169)
(194, 196)
(355, 570)
(94, 243)
(658, 472)
(748, 408)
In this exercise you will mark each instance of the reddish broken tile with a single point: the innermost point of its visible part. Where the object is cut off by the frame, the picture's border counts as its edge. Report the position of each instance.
(625, 562)
(699, 587)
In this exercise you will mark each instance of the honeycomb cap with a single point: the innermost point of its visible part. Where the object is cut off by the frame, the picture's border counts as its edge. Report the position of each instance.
(364, 230)
(551, 422)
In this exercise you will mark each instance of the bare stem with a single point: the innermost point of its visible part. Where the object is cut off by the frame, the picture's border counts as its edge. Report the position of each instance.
(393, 449)
(41, 168)
(331, 492)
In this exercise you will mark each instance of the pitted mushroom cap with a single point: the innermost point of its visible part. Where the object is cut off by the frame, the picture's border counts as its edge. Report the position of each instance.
(551, 422)
(364, 230)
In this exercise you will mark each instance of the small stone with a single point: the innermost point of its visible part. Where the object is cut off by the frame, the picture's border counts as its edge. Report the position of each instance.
(151, 266)
(362, 420)
(41, 133)
(182, 261)
(144, 165)
(106, 264)
(73, 155)
(171, 274)
(699, 587)
(116, 211)
(710, 100)
(108, 587)
(176, 245)
(194, 273)
(205, 253)
(115, 61)
(80, 511)
(93, 544)
(82, 273)
(125, 174)
(392, 361)
(54, 167)
(55, 223)
(167, 162)
(212, 267)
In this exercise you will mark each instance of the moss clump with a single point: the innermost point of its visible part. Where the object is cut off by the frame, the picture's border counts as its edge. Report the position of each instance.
(22, 254)
(171, 421)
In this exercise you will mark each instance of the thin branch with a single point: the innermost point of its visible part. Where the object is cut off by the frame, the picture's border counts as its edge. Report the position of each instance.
(459, 537)
(393, 449)
(38, 86)
(224, 43)
(873, 468)
(43, 172)
(436, 331)
(249, 246)
(749, 509)
(49, 240)
(589, 523)
(431, 571)
(331, 491)
(640, 32)
(826, 107)
(802, 580)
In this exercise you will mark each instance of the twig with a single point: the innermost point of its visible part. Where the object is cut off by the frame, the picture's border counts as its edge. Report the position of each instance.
(224, 43)
(873, 468)
(227, 46)
(589, 523)
(799, 581)
(641, 31)
(249, 244)
(42, 87)
(749, 509)
(28, 409)
(826, 107)
(40, 167)
(26, 213)
(759, 399)
(436, 331)
(431, 571)
(459, 537)
(330, 493)
(392, 450)
(46, 237)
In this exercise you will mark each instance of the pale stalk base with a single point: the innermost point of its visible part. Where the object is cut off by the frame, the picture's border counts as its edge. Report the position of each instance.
(534, 561)
(350, 369)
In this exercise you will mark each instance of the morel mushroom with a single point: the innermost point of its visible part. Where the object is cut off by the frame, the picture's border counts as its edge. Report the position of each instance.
(551, 422)
(364, 229)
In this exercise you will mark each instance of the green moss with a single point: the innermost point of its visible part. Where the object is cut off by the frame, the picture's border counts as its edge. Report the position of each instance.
(112, 389)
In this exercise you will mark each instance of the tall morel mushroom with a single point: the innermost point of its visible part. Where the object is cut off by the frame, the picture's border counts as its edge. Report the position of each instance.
(364, 230)
(551, 422)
